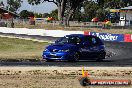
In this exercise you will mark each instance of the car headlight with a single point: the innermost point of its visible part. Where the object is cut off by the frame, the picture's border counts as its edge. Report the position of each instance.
(46, 50)
(64, 50)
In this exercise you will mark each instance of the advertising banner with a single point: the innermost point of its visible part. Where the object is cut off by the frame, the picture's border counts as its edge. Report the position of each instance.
(86, 33)
(109, 36)
(127, 38)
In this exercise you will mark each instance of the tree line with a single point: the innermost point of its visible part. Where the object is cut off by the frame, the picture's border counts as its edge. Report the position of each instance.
(74, 10)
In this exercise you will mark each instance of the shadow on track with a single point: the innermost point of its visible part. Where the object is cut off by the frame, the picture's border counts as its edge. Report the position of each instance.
(65, 63)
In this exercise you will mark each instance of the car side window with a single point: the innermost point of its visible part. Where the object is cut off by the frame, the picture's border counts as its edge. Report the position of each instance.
(92, 41)
(87, 41)
(75, 40)
(99, 41)
(78, 40)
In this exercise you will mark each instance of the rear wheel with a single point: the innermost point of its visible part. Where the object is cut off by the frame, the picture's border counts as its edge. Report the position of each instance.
(101, 56)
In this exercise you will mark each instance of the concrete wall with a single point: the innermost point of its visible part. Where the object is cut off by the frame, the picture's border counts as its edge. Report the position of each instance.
(41, 32)
(61, 33)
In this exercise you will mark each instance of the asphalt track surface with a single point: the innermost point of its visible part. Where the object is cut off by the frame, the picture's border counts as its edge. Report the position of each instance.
(118, 54)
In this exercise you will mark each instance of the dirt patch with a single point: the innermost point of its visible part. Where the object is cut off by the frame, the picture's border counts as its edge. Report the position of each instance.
(58, 77)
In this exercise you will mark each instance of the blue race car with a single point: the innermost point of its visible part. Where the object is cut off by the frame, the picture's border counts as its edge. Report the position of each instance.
(75, 47)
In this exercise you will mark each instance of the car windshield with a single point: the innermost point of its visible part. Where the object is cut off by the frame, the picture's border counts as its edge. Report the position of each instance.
(69, 40)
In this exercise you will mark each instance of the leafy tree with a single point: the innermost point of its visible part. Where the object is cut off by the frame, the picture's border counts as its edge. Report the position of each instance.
(77, 16)
(90, 8)
(106, 5)
(1, 4)
(24, 14)
(60, 4)
(70, 8)
(54, 14)
(14, 5)
(114, 4)
(38, 15)
(66, 8)
(31, 14)
(45, 15)
(101, 14)
(101, 3)
(127, 2)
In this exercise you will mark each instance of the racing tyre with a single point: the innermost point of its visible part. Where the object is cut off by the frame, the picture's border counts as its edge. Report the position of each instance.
(101, 56)
(76, 57)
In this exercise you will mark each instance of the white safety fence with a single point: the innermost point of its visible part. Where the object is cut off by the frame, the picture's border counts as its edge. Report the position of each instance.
(40, 32)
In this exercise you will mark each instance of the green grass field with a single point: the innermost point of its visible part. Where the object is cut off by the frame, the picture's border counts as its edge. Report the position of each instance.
(12, 48)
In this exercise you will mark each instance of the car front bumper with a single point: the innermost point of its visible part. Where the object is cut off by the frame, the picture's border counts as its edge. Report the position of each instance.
(58, 56)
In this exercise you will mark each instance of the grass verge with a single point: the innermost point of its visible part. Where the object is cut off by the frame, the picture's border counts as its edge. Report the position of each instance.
(13, 48)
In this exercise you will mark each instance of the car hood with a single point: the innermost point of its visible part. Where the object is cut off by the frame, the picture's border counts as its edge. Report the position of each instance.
(61, 46)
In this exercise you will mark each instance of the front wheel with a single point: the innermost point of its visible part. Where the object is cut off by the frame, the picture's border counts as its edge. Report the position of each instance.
(76, 57)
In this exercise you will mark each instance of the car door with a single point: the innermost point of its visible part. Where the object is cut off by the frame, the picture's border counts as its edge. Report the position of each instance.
(90, 47)
(94, 47)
